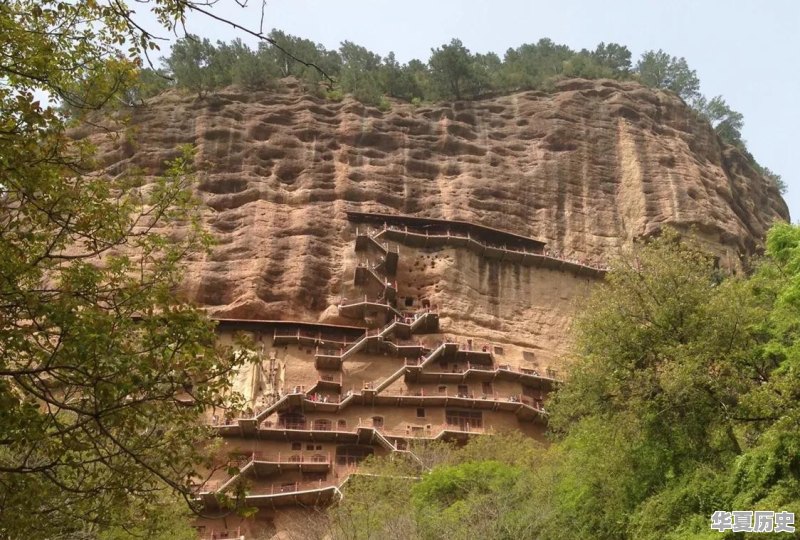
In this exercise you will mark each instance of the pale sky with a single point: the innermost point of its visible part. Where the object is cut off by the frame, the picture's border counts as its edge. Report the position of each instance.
(744, 50)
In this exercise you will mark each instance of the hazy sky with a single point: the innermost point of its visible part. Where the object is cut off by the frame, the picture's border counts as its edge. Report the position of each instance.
(745, 50)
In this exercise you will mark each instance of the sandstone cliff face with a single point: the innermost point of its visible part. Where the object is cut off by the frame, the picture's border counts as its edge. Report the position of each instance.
(589, 169)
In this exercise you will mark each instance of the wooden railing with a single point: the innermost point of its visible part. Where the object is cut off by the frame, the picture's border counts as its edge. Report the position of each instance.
(291, 487)
(545, 254)
(317, 337)
(382, 281)
(373, 234)
(293, 457)
(419, 431)
(302, 426)
(210, 487)
(550, 374)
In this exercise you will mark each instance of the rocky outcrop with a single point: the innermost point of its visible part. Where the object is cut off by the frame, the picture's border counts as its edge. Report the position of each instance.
(588, 168)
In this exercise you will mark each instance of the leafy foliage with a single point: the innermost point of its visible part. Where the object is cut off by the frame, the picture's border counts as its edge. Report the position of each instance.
(360, 74)
(615, 57)
(659, 69)
(467, 500)
(692, 371)
(455, 493)
(103, 370)
(725, 121)
(684, 396)
(453, 71)
(197, 64)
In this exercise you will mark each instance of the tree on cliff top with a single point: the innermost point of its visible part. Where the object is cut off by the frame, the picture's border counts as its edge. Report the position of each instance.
(452, 70)
(103, 370)
(193, 62)
(613, 56)
(360, 73)
(660, 70)
(725, 121)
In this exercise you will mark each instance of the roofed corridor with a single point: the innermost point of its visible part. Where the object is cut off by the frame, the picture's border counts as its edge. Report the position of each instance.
(487, 242)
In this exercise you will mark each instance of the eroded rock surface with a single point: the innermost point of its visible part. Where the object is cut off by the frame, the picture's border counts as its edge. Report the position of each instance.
(589, 169)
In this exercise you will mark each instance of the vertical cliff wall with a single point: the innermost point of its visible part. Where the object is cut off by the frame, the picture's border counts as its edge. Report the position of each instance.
(588, 168)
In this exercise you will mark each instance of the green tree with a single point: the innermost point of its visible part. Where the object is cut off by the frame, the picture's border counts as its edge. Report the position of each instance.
(611, 61)
(312, 53)
(660, 70)
(236, 63)
(452, 69)
(664, 354)
(480, 490)
(725, 121)
(376, 502)
(531, 65)
(148, 83)
(288, 66)
(419, 73)
(775, 178)
(191, 63)
(399, 80)
(468, 500)
(254, 71)
(487, 69)
(768, 473)
(167, 517)
(360, 73)
(103, 370)
(678, 404)
(615, 57)
(585, 65)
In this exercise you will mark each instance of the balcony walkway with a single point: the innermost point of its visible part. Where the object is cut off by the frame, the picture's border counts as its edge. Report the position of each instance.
(260, 465)
(480, 366)
(311, 493)
(496, 252)
(485, 241)
(481, 373)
